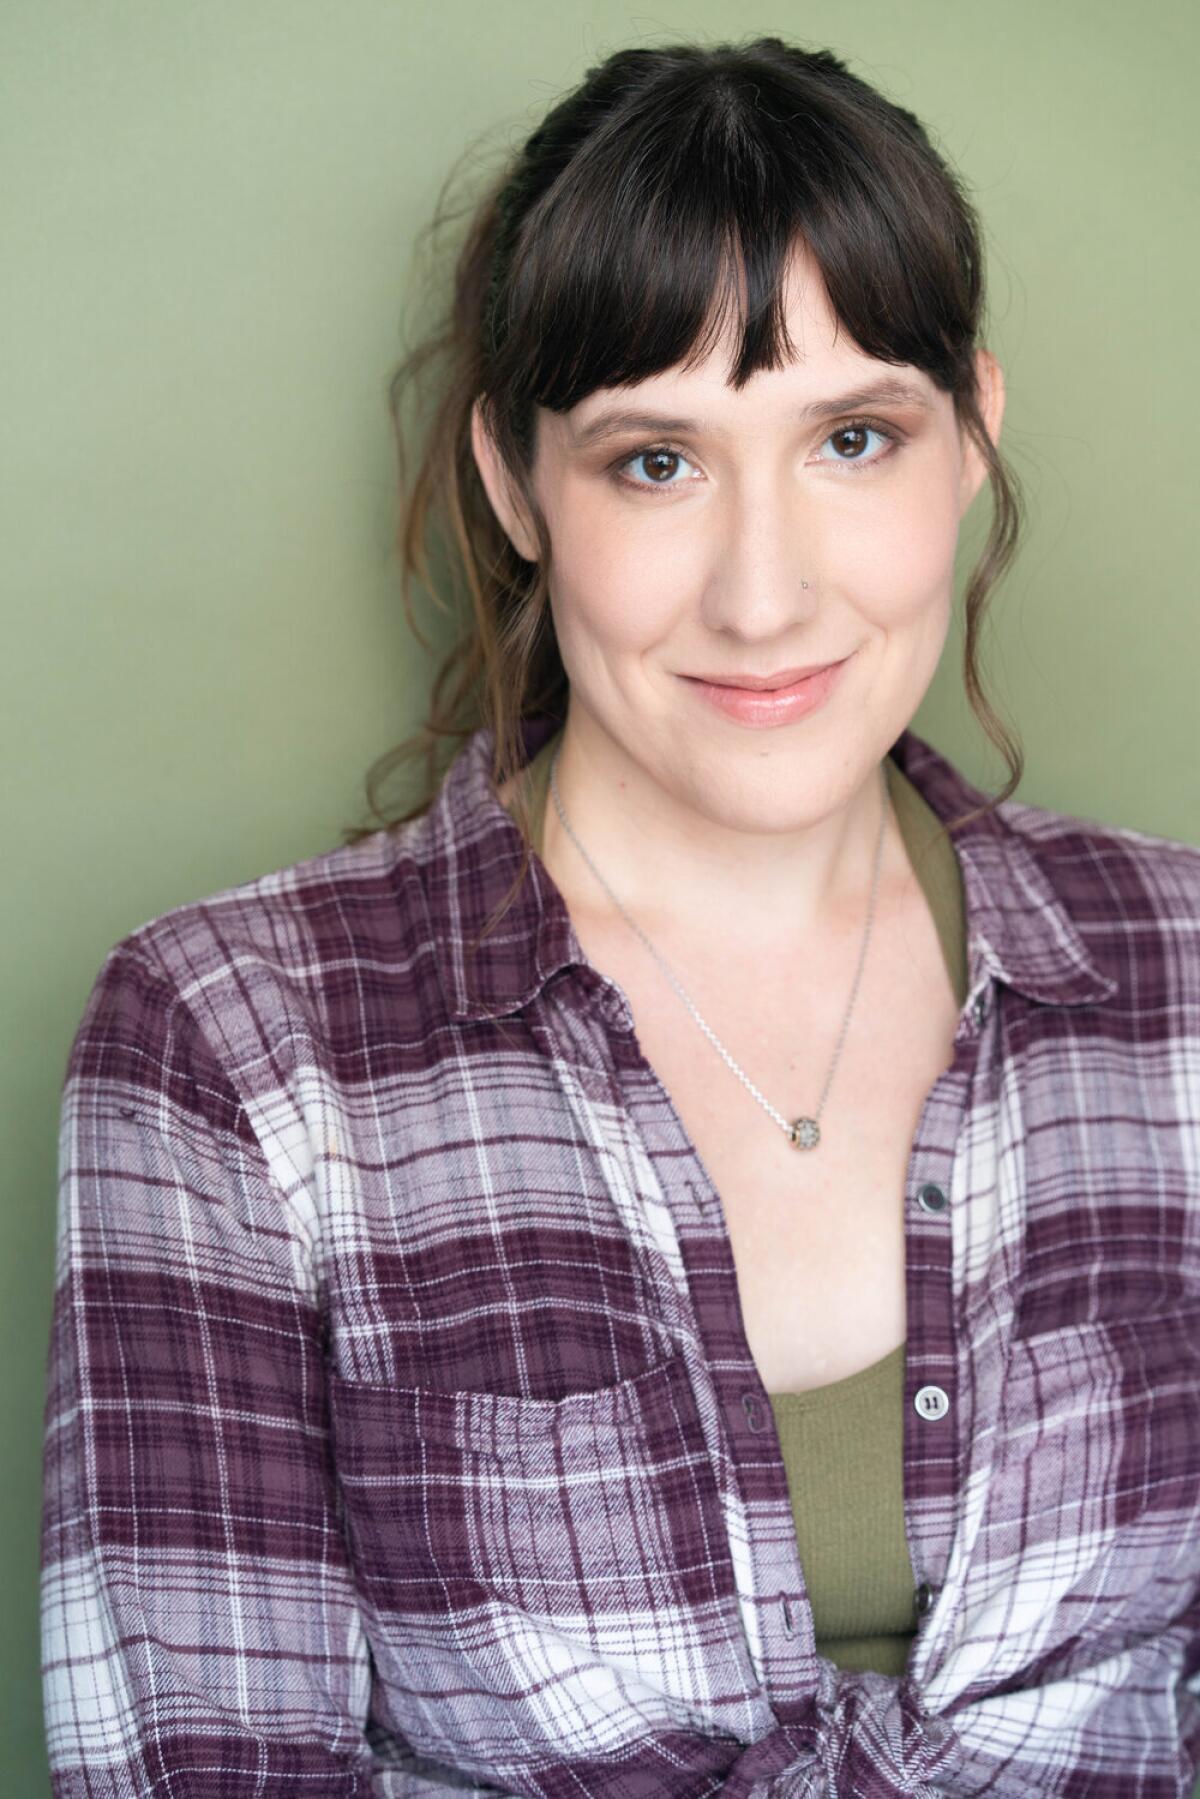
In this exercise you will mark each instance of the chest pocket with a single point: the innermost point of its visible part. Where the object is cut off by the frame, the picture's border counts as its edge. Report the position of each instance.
(1096, 1486)
(569, 1554)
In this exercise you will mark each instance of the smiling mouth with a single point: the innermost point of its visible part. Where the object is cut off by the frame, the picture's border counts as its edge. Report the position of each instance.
(785, 677)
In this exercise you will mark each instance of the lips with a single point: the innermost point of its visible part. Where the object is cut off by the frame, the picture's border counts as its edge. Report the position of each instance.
(765, 707)
(784, 677)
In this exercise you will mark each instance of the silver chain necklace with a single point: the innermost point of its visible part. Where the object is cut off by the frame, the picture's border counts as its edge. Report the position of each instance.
(802, 1133)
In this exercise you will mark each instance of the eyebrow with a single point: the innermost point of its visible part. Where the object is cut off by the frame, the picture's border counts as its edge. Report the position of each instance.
(612, 423)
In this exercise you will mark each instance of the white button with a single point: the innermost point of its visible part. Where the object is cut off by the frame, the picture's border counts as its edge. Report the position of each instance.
(931, 1402)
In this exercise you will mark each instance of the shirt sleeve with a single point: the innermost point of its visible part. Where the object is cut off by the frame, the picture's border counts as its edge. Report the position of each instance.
(200, 1629)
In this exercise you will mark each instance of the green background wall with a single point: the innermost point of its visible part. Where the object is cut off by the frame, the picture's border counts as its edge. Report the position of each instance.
(209, 224)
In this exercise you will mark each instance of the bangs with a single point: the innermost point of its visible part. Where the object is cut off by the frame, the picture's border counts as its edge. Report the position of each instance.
(683, 213)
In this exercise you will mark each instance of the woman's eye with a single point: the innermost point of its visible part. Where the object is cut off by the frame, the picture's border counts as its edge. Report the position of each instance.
(660, 462)
(852, 441)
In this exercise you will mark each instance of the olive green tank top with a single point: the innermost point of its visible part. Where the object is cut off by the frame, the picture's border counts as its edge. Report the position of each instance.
(843, 1443)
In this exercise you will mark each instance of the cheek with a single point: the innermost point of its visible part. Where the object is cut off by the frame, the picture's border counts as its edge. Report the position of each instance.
(895, 555)
(612, 587)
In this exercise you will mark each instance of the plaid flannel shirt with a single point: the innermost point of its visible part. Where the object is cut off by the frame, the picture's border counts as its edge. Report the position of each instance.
(401, 1431)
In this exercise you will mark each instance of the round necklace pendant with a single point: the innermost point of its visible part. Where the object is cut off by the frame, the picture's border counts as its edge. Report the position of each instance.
(805, 1133)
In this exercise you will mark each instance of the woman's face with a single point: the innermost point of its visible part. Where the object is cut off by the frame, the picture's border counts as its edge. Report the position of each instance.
(682, 545)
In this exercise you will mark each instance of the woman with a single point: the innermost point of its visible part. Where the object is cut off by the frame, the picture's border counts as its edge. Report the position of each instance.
(671, 1267)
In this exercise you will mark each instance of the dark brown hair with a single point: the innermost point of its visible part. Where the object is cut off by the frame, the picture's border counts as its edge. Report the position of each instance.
(595, 259)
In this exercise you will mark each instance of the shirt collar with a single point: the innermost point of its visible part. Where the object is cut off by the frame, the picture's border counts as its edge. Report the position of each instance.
(1020, 929)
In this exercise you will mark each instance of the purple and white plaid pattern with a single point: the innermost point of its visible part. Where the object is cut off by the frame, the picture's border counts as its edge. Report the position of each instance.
(402, 1435)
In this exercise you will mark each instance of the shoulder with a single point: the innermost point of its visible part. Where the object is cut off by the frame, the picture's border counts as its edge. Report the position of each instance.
(297, 965)
(1137, 872)
(1134, 897)
(1111, 868)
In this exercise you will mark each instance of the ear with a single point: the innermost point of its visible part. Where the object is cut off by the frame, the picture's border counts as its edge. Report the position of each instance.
(989, 382)
(495, 478)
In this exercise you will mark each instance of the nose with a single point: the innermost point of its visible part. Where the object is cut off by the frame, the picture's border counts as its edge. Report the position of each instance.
(762, 581)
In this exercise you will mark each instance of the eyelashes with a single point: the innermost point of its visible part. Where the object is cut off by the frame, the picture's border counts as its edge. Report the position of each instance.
(852, 464)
